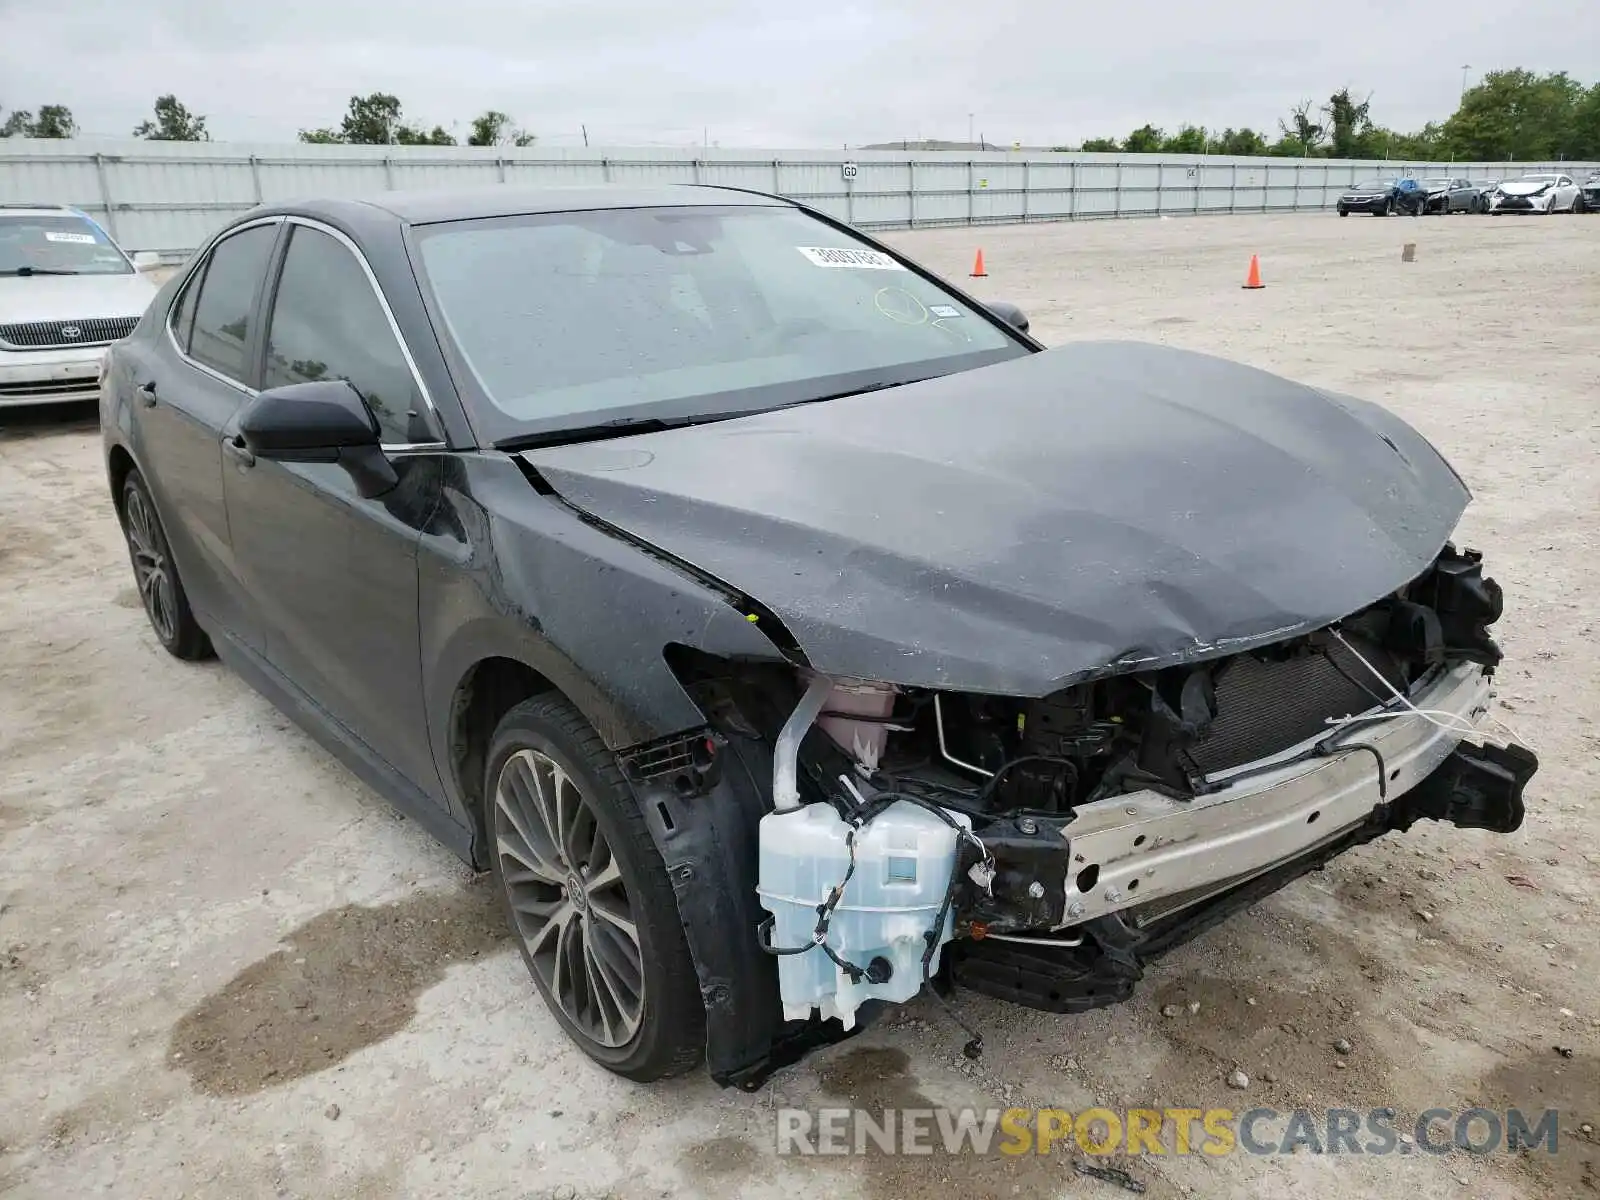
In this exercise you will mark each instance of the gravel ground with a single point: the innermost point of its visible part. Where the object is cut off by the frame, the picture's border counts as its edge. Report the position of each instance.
(227, 969)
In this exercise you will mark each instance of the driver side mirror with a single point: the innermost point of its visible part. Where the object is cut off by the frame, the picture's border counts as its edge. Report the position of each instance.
(1010, 314)
(325, 420)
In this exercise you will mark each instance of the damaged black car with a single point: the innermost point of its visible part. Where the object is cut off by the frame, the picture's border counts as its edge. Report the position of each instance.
(788, 632)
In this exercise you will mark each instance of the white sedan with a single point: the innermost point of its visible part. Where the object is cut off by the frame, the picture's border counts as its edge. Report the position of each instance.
(1540, 193)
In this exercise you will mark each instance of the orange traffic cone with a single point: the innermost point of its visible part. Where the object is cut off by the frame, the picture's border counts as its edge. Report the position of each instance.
(1253, 279)
(977, 267)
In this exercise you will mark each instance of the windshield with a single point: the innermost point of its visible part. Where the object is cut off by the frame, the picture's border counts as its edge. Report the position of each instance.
(1373, 185)
(1538, 179)
(581, 318)
(53, 244)
(1436, 184)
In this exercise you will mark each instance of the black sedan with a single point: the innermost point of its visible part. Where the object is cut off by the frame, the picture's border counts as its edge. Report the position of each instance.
(1376, 196)
(780, 626)
(1591, 193)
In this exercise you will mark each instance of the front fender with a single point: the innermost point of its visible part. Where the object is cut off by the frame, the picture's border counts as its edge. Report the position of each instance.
(507, 572)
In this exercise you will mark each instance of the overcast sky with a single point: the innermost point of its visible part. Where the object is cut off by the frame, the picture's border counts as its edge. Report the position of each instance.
(817, 73)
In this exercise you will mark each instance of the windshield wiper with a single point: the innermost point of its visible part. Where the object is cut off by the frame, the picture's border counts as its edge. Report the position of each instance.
(37, 271)
(621, 427)
(626, 426)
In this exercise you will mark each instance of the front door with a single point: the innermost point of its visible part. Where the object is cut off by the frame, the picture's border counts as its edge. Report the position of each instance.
(333, 575)
(186, 392)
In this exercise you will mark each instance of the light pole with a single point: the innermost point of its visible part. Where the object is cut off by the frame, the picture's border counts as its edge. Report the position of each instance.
(1464, 69)
(969, 131)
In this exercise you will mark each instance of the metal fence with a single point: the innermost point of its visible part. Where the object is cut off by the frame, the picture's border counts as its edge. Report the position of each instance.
(168, 196)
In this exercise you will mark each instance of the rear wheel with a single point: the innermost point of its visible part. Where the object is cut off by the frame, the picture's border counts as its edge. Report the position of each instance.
(587, 894)
(160, 590)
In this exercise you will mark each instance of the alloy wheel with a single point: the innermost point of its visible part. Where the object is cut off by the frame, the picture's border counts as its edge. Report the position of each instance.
(568, 899)
(150, 567)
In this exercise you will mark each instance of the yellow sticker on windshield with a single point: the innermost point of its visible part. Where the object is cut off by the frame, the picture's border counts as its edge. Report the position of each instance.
(840, 256)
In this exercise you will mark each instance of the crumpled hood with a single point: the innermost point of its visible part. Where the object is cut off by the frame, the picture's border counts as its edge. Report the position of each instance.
(1099, 507)
(73, 297)
(1524, 187)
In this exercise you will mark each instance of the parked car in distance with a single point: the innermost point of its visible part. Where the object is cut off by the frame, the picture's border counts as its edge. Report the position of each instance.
(1486, 188)
(781, 626)
(1375, 196)
(1543, 192)
(1591, 192)
(1449, 196)
(66, 292)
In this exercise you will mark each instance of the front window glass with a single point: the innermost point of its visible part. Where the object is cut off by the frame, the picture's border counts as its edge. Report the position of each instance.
(327, 323)
(49, 244)
(588, 317)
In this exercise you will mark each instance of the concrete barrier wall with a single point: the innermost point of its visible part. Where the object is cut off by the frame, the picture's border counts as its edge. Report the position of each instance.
(169, 196)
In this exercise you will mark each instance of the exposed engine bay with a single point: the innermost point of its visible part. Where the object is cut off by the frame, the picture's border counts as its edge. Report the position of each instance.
(918, 836)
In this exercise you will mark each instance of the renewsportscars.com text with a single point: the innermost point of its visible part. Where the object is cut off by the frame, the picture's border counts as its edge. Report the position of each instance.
(1176, 1131)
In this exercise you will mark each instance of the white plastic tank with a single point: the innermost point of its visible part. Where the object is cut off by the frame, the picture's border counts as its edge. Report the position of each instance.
(904, 859)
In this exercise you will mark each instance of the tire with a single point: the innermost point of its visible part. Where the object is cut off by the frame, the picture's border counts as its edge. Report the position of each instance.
(1386, 208)
(166, 604)
(1343, 211)
(634, 1006)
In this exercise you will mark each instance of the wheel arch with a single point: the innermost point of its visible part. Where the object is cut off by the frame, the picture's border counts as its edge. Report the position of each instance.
(489, 689)
(119, 465)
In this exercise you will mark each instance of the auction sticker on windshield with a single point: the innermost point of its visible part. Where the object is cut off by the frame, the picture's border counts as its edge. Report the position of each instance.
(79, 239)
(839, 256)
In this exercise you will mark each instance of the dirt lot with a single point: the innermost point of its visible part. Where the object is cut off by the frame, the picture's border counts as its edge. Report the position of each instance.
(227, 969)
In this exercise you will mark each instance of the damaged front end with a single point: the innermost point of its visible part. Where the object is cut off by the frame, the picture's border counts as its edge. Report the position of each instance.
(841, 843)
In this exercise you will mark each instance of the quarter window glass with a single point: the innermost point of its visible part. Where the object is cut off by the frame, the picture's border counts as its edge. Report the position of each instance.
(227, 301)
(183, 315)
(327, 323)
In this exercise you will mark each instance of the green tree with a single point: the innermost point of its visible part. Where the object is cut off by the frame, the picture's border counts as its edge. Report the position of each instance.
(1586, 125)
(1301, 135)
(1146, 139)
(173, 123)
(407, 135)
(494, 128)
(1349, 124)
(53, 121)
(371, 121)
(1517, 114)
(1190, 139)
(1100, 146)
(1244, 141)
(375, 120)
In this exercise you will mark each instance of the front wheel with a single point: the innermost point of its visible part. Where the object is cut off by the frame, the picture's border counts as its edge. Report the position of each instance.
(165, 602)
(1343, 211)
(1385, 209)
(587, 894)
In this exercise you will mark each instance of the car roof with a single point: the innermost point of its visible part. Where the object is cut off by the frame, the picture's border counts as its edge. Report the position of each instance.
(499, 200)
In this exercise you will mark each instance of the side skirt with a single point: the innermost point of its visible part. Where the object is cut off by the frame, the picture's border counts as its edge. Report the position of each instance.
(344, 745)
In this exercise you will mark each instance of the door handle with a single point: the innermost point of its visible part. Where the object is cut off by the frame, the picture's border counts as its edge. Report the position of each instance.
(146, 393)
(238, 451)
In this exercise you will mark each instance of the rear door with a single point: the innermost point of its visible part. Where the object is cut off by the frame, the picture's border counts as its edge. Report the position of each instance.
(335, 575)
(187, 389)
